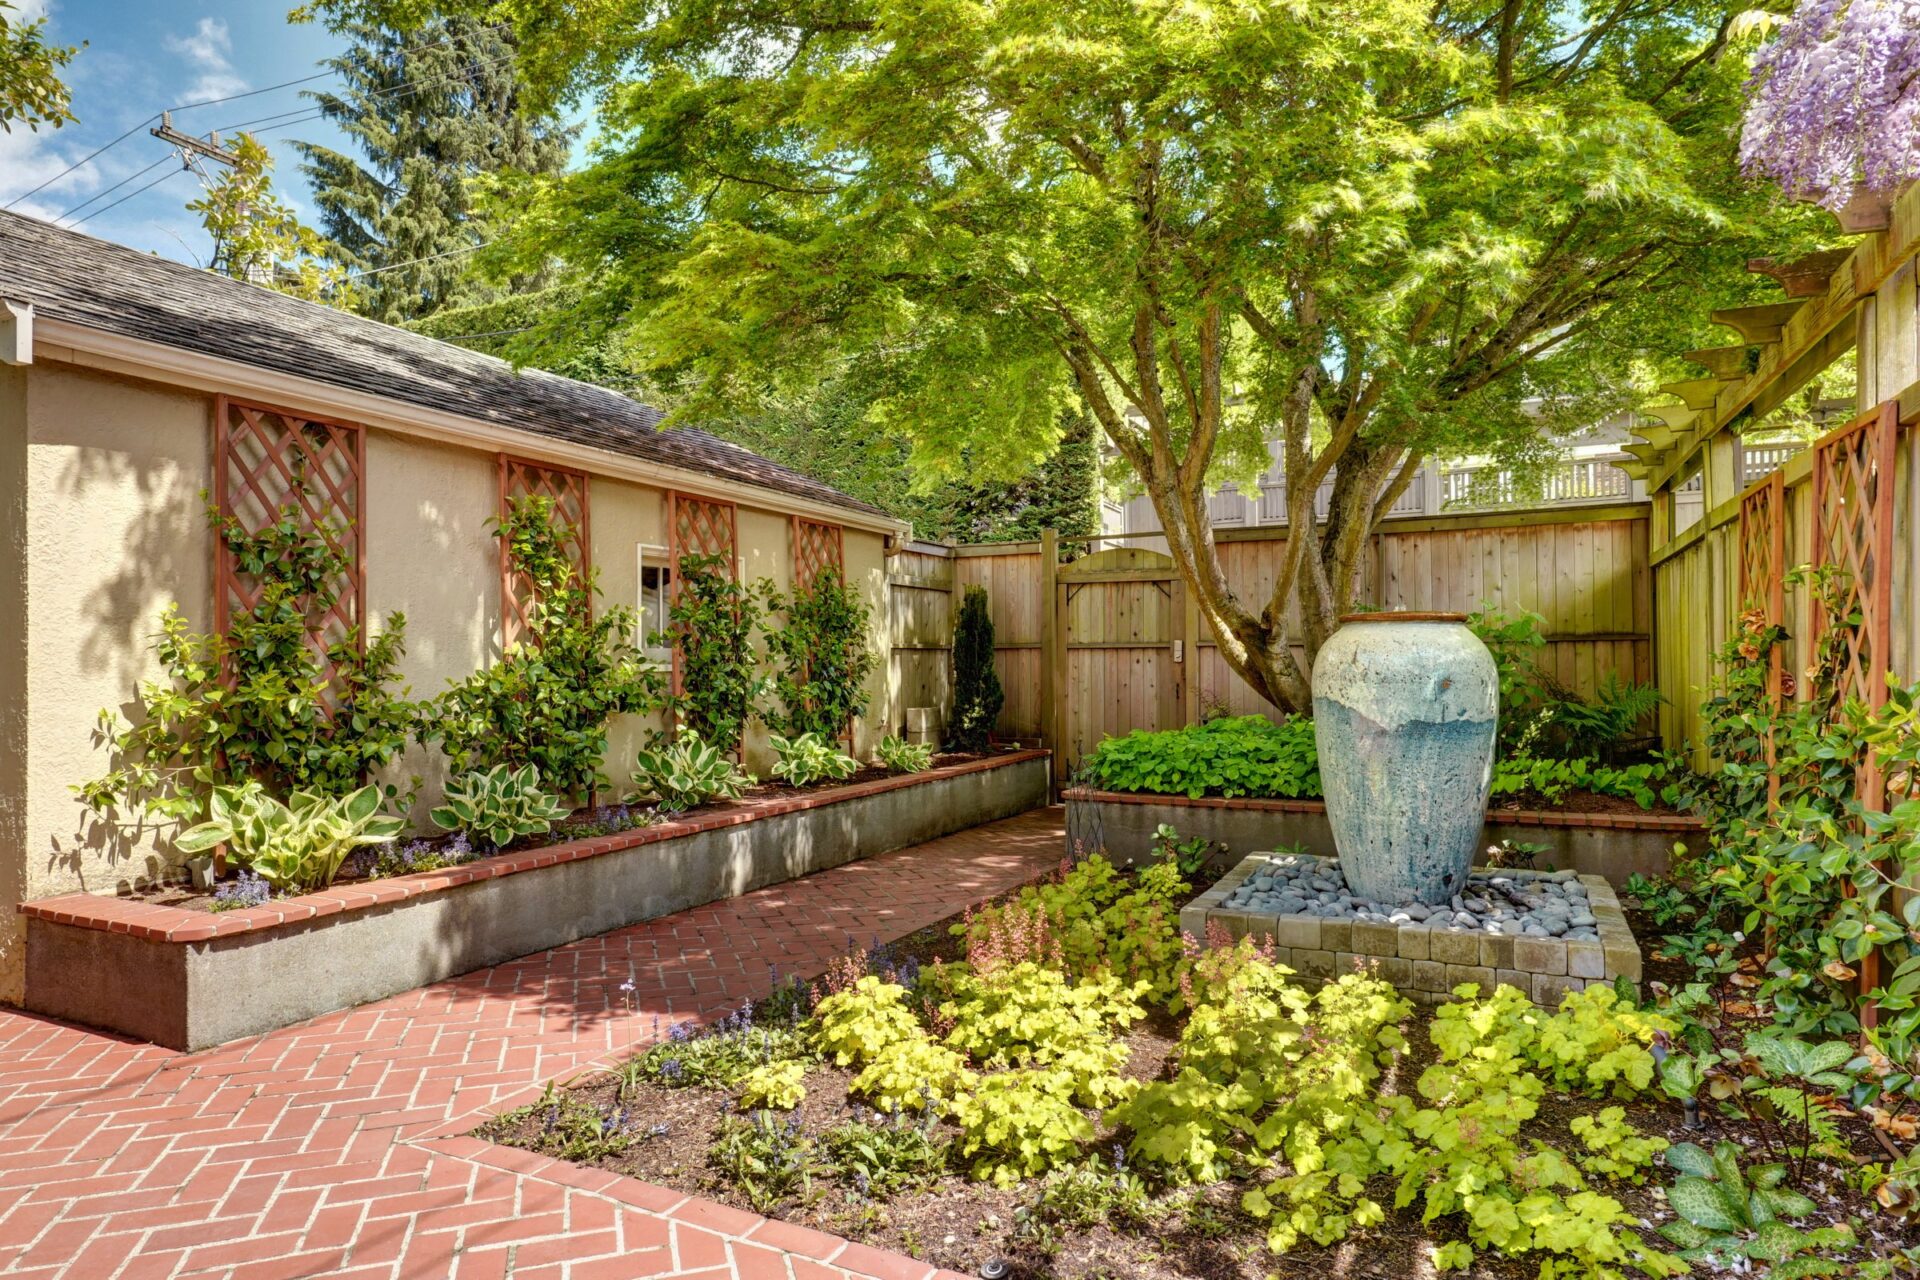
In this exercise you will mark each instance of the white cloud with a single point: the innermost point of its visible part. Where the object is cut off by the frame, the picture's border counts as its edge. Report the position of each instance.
(29, 10)
(207, 50)
(28, 159)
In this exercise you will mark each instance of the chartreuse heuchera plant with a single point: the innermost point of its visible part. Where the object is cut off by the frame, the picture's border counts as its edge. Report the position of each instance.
(295, 846)
(499, 805)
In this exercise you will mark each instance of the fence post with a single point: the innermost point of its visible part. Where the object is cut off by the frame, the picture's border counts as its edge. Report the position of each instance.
(1051, 654)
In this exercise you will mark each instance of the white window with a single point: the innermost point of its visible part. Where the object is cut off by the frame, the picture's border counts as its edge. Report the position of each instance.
(654, 577)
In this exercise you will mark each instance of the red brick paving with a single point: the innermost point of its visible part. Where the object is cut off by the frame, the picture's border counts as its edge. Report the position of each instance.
(338, 1148)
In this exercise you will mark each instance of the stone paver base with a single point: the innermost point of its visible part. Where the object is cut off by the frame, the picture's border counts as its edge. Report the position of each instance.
(337, 1147)
(1423, 962)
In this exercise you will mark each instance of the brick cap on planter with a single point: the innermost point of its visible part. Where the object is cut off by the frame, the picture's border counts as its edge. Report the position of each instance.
(157, 923)
(1682, 822)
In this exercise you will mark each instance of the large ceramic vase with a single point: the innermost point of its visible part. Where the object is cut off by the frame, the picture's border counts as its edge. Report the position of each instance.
(1404, 713)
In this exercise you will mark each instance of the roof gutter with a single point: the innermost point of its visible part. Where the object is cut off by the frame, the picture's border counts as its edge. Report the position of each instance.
(157, 362)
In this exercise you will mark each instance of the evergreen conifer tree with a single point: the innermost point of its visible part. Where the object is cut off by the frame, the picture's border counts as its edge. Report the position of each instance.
(977, 695)
(430, 109)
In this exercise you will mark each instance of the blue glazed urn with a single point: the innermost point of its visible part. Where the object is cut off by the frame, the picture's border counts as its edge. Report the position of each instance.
(1405, 707)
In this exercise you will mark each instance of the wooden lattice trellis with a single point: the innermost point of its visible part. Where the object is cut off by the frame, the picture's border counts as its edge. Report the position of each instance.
(268, 460)
(1763, 567)
(816, 546)
(699, 527)
(521, 478)
(1853, 508)
(1853, 502)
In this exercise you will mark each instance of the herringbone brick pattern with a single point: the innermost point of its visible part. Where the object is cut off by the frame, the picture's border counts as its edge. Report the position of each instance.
(336, 1147)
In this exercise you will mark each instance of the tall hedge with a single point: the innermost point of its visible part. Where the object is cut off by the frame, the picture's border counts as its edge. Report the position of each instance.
(977, 696)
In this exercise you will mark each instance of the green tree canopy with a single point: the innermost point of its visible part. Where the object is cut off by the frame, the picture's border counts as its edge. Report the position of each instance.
(259, 237)
(31, 91)
(1372, 230)
(430, 109)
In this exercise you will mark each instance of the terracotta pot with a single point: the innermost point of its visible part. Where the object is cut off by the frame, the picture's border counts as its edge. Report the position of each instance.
(1405, 706)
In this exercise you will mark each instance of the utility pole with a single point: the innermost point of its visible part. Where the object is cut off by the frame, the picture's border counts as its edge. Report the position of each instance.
(192, 150)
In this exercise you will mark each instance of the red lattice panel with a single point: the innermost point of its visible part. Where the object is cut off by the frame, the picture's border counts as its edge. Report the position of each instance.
(1853, 501)
(699, 527)
(521, 478)
(267, 460)
(1763, 567)
(816, 546)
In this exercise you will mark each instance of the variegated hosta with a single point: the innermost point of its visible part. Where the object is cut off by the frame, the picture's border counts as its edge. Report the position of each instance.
(295, 846)
(902, 756)
(687, 773)
(809, 758)
(499, 805)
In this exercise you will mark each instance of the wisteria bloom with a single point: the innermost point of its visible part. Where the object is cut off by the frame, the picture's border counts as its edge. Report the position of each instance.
(1836, 100)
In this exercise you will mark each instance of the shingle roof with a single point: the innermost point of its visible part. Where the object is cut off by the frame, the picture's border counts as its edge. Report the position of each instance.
(78, 278)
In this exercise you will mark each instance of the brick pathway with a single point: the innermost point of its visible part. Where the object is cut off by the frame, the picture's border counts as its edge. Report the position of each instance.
(335, 1148)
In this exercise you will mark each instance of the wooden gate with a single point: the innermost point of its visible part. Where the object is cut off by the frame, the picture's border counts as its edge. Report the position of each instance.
(1120, 650)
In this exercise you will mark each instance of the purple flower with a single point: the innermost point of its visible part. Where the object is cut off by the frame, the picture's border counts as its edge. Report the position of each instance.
(244, 890)
(1836, 100)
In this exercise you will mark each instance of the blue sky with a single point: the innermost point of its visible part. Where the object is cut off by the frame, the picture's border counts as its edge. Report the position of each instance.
(142, 58)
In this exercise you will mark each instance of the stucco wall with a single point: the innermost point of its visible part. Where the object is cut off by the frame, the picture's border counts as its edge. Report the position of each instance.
(102, 524)
(114, 532)
(13, 673)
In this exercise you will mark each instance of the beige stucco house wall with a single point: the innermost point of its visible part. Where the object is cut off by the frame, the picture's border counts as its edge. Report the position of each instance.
(102, 468)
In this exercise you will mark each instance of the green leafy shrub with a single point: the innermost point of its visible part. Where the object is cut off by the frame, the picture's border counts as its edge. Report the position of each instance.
(822, 657)
(687, 773)
(1252, 1077)
(808, 759)
(1088, 921)
(499, 805)
(854, 1026)
(1594, 1043)
(1094, 1194)
(711, 625)
(885, 1157)
(902, 756)
(913, 1074)
(1614, 1148)
(778, 1085)
(1239, 756)
(1019, 1124)
(294, 846)
(258, 703)
(1552, 778)
(1028, 1015)
(549, 698)
(977, 696)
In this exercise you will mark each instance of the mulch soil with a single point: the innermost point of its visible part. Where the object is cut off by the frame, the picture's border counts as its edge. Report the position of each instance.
(1199, 1233)
(582, 822)
(1575, 802)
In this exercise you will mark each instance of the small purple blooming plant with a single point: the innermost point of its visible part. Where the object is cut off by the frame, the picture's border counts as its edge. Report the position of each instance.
(1836, 100)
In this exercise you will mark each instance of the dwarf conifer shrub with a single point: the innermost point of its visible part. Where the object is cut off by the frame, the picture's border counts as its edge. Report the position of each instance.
(977, 696)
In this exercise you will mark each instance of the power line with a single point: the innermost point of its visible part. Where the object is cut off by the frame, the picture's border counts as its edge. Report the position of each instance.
(82, 160)
(432, 257)
(388, 92)
(115, 187)
(131, 194)
(251, 93)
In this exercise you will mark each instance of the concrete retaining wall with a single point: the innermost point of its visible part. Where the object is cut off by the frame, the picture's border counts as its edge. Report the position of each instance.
(1611, 845)
(193, 995)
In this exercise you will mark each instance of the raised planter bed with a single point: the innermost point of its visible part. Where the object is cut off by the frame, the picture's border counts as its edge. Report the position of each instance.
(191, 979)
(1612, 845)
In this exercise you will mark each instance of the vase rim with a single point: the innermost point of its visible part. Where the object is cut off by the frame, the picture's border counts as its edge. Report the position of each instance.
(1402, 615)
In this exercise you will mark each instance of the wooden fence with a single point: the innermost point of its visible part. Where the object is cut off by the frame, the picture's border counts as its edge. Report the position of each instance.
(1734, 556)
(1110, 642)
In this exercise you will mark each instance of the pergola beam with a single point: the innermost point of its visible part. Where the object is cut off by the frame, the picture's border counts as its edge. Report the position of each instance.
(1807, 340)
